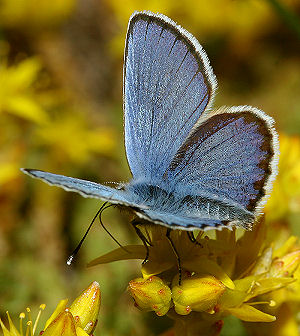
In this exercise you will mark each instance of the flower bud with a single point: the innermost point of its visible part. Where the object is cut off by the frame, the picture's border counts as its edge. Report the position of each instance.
(285, 266)
(85, 308)
(151, 294)
(197, 293)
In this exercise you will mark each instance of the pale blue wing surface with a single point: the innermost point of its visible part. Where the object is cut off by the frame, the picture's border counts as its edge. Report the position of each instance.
(83, 187)
(168, 83)
(231, 155)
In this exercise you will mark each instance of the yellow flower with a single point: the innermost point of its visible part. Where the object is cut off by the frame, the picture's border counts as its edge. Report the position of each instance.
(224, 273)
(285, 196)
(30, 14)
(78, 320)
(63, 324)
(17, 93)
(31, 325)
(64, 138)
(25, 93)
(240, 20)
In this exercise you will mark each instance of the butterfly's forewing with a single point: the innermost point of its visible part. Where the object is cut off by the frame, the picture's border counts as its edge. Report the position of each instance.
(168, 84)
(232, 155)
(83, 187)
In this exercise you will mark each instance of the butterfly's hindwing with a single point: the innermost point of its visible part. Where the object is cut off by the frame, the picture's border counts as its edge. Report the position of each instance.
(232, 155)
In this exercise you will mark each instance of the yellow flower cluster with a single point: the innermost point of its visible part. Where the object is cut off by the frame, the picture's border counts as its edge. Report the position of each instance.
(32, 14)
(252, 275)
(80, 319)
(22, 95)
(240, 20)
(18, 98)
(225, 274)
(18, 94)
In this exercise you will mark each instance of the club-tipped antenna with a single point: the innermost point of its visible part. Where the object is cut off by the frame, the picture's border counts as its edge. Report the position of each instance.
(99, 213)
(72, 256)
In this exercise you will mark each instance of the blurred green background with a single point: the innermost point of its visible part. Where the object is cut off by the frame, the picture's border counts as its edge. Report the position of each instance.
(61, 111)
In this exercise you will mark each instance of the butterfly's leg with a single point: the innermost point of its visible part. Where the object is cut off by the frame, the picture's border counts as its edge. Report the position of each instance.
(192, 238)
(144, 240)
(168, 235)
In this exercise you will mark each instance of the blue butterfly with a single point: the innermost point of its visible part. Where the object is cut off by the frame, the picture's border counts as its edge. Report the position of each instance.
(192, 167)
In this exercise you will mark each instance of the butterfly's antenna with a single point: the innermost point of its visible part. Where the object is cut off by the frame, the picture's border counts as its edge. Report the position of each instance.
(111, 236)
(72, 256)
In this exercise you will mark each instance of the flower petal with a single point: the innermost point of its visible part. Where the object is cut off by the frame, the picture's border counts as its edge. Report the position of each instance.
(153, 268)
(285, 266)
(263, 263)
(4, 329)
(128, 252)
(268, 285)
(286, 247)
(59, 309)
(81, 332)
(205, 265)
(62, 325)
(250, 314)
(12, 329)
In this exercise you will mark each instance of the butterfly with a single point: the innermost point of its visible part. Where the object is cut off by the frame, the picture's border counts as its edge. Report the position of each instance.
(192, 167)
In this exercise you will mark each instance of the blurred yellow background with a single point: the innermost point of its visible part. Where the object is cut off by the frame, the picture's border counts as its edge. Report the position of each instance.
(61, 111)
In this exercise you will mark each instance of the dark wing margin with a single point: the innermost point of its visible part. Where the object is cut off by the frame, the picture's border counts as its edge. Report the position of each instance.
(168, 84)
(233, 155)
